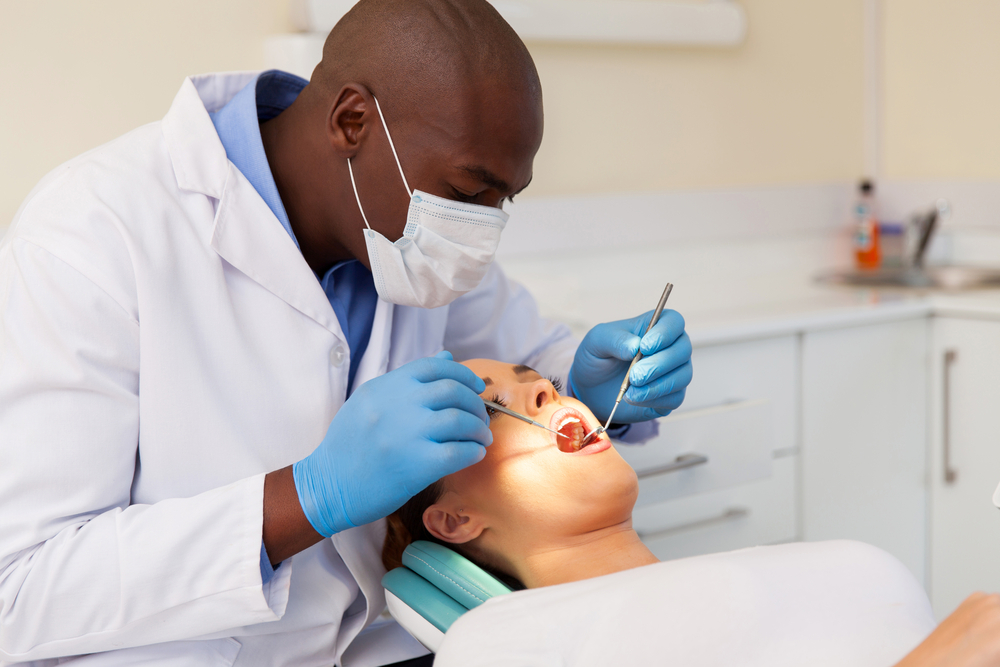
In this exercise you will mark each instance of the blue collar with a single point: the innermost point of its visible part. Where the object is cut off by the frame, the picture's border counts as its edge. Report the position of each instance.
(238, 126)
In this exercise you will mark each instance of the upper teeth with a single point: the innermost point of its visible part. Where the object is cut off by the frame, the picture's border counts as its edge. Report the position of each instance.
(567, 420)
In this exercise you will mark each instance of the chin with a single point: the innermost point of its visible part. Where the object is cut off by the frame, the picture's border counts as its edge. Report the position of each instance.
(612, 493)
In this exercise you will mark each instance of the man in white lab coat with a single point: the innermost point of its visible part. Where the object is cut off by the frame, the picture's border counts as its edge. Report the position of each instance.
(223, 335)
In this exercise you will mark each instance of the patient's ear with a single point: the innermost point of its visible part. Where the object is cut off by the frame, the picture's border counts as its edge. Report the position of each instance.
(450, 521)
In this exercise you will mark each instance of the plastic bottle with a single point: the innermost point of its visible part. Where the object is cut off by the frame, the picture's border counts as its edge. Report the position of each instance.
(866, 237)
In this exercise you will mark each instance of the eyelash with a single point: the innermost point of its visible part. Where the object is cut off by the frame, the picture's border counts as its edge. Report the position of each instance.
(468, 199)
(493, 412)
(557, 384)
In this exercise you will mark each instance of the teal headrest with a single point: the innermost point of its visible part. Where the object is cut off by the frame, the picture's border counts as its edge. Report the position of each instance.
(440, 584)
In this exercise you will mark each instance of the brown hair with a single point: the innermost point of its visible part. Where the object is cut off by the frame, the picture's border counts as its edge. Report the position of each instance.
(406, 525)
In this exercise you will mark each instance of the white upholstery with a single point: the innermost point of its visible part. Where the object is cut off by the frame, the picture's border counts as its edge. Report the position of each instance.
(415, 624)
(821, 604)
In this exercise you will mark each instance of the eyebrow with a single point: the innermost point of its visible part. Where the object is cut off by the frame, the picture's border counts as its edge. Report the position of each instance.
(487, 177)
(521, 369)
(487, 380)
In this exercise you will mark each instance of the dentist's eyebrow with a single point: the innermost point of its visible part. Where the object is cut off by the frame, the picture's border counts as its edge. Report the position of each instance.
(487, 177)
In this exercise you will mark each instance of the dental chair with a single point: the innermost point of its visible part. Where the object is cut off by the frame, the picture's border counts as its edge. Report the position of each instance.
(433, 588)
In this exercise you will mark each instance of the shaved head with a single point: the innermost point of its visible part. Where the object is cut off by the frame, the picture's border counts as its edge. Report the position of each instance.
(459, 94)
(416, 49)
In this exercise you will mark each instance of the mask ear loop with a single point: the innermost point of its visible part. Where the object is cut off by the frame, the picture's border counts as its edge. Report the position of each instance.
(393, 147)
(356, 197)
(394, 154)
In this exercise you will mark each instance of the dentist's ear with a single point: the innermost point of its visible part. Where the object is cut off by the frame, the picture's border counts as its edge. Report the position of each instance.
(350, 119)
(451, 522)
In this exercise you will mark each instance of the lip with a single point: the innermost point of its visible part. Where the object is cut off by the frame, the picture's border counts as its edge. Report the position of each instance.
(560, 417)
(600, 445)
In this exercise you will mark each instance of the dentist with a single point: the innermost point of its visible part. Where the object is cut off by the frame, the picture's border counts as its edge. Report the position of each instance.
(223, 335)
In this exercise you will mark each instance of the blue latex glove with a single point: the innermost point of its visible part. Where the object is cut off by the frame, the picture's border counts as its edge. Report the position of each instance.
(396, 435)
(658, 381)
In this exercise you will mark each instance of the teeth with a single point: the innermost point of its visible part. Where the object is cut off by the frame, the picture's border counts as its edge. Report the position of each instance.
(568, 420)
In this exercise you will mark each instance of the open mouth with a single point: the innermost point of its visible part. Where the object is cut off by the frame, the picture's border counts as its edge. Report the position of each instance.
(572, 427)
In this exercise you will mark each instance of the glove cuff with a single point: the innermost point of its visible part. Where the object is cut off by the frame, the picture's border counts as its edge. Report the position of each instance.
(325, 520)
(571, 390)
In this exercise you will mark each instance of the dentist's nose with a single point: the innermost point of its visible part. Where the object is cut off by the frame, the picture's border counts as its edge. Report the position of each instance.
(541, 393)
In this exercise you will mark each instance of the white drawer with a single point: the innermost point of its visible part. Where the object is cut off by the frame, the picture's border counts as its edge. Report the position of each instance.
(763, 512)
(698, 451)
(752, 370)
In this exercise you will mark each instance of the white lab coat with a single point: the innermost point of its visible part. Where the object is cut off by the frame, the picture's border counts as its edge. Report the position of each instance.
(163, 345)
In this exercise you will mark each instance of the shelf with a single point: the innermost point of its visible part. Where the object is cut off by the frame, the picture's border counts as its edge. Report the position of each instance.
(653, 22)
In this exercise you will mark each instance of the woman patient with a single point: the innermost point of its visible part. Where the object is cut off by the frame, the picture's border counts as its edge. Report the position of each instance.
(536, 509)
(539, 511)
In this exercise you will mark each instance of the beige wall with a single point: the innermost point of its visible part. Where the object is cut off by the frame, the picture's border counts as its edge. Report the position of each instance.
(75, 74)
(785, 107)
(942, 89)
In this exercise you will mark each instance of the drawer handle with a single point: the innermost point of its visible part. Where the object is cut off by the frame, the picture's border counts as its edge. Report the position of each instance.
(728, 515)
(680, 463)
(950, 474)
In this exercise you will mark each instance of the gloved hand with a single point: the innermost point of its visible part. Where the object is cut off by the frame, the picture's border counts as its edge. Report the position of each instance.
(396, 435)
(659, 380)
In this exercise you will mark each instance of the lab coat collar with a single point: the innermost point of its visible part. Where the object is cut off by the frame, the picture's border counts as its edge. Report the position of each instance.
(245, 233)
(196, 152)
(248, 236)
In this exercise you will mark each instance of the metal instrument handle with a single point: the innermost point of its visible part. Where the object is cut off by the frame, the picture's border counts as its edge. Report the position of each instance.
(680, 463)
(950, 474)
(518, 415)
(649, 327)
(728, 515)
(507, 411)
(638, 357)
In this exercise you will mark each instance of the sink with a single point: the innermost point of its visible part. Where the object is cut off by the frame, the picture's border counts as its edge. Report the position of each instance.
(953, 278)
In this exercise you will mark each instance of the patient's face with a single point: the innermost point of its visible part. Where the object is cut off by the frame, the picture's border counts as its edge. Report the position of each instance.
(529, 486)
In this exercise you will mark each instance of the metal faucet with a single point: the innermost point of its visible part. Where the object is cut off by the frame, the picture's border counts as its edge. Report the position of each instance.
(926, 224)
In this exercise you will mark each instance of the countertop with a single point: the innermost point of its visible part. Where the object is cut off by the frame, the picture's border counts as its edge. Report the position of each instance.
(730, 291)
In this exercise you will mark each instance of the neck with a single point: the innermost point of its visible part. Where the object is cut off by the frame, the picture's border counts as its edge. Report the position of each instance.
(579, 557)
(300, 166)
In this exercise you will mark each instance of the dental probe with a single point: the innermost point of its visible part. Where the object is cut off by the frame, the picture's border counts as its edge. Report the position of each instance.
(625, 383)
(516, 415)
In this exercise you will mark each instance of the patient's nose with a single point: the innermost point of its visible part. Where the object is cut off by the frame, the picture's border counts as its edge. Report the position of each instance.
(541, 394)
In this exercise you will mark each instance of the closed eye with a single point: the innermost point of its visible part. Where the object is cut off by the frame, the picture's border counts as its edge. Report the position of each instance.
(458, 195)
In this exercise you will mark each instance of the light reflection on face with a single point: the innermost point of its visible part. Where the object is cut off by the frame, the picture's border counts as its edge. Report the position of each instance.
(526, 488)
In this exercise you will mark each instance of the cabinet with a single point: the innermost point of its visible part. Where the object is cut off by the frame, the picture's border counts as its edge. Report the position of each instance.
(722, 474)
(965, 441)
(841, 433)
(864, 437)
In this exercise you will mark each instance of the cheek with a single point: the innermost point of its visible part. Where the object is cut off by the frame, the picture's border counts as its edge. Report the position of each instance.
(526, 487)
(520, 473)
(578, 494)
(385, 201)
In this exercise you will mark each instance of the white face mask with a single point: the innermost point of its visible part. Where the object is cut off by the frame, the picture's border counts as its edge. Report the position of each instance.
(446, 247)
